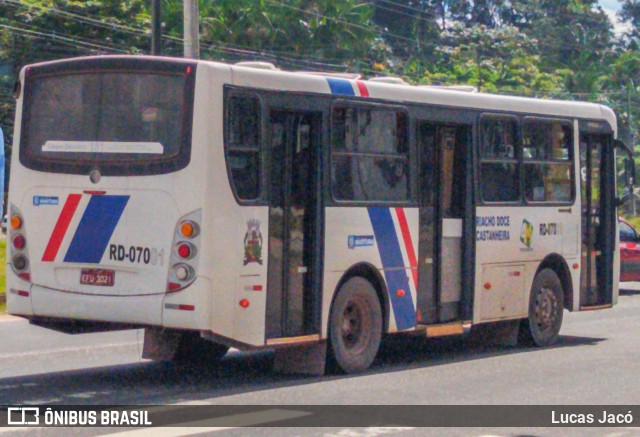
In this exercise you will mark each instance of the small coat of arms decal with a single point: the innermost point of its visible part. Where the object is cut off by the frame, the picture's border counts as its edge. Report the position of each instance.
(253, 243)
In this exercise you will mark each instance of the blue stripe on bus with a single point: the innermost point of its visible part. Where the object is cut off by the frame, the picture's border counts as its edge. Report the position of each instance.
(340, 86)
(393, 265)
(95, 229)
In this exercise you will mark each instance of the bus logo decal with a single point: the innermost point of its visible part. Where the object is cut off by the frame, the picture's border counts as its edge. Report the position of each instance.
(95, 229)
(45, 200)
(345, 87)
(61, 227)
(406, 236)
(253, 243)
(526, 233)
(360, 241)
(393, 263)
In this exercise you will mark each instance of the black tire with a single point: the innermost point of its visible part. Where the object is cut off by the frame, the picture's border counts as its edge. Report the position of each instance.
(355, 326)
(193, 349)
(546, 305)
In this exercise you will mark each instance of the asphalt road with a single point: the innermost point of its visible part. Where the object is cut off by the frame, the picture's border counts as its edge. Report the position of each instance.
(594, 362)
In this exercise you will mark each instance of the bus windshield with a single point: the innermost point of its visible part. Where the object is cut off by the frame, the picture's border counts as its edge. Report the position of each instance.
(75, 122)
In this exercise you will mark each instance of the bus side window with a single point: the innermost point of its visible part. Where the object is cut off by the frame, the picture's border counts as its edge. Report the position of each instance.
(547, 160)
(370, 154)
(243, 145)
(499, 167)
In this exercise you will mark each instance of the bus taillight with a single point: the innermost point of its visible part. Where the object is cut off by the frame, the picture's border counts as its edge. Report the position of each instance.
(19, 242)
(184, 272)
(18, 247)
(20, 262)
(16, 222)
(184, 256)
(189, 229)
(186, 251)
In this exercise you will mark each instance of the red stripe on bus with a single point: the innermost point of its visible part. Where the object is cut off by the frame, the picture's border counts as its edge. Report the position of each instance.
(364, 92)
(406, 236)
(60, 230)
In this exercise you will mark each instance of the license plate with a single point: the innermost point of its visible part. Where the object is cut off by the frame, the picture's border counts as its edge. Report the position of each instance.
(100, 277)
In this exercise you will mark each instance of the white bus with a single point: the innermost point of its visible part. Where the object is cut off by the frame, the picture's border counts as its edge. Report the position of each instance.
(222, 206)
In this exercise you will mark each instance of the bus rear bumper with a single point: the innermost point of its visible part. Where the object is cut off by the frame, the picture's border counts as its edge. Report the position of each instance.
(185, 309)
(136, 310)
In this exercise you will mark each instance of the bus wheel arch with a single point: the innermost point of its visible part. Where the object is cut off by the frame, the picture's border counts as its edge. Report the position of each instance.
(559, 265)
(370, 273)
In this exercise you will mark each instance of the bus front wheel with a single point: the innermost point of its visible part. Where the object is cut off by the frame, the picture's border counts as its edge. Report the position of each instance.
(546, 305)
(355, 326)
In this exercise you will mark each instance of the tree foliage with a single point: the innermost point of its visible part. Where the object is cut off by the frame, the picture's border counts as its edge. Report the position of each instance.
(557, 48)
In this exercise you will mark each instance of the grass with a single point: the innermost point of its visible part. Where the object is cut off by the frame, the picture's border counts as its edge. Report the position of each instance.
(3, 275)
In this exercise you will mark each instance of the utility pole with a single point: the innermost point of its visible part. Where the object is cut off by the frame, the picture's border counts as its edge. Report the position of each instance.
(630, 130)
(191, 31)
(478, 60)
(156, 31)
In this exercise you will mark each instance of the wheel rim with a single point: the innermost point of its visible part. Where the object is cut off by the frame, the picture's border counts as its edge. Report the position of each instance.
(545, 315)
(353, 326)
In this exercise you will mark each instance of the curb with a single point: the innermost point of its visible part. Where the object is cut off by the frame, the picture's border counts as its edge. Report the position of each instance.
(9, 318)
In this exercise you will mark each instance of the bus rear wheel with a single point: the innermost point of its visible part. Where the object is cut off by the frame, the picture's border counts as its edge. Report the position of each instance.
(546, 305)
(355, 326)
(193, 349)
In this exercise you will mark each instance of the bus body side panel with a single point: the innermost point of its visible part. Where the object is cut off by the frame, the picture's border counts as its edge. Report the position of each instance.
(511, 242)
(576, 216)
(235, 256)
(380, 236)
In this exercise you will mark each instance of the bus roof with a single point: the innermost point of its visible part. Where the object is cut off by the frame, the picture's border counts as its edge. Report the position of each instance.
(401, 92)
(258, 76)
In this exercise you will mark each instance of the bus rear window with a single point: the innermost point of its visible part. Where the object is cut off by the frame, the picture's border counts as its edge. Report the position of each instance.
(121, 123)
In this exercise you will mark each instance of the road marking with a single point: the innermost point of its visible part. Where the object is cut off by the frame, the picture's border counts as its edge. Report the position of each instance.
(167, 432)
(18, 429)
(372, 431)
(209, 425)
(67, 349)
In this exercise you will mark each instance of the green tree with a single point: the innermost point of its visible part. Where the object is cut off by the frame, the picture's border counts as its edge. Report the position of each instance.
(630, 12)
(496, 60)
(297, 34)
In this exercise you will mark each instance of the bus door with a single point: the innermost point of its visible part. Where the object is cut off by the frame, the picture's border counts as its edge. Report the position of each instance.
(292, 298)
(442, 174)
(598, 219)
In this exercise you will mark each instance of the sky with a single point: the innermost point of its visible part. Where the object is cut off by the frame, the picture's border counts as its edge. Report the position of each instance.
(611, 7)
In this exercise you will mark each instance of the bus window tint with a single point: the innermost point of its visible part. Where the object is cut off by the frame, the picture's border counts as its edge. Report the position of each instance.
(370, 159)
(244, 121)
(75, 110)
(547, 160)
(243, 145)
(499, 174)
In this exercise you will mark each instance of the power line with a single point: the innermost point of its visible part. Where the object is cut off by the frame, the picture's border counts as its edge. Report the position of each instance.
(238, 50)
(61, 38)
(338, 20)
(78, 18)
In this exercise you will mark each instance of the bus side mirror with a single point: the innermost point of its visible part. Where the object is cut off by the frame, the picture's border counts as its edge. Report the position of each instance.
(626, 170)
